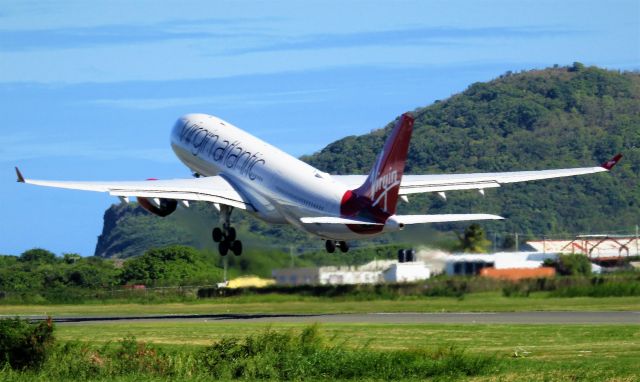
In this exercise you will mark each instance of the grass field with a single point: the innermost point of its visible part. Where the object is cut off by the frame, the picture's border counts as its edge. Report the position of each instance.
(526, 352)
(476, 302)
(521, 352)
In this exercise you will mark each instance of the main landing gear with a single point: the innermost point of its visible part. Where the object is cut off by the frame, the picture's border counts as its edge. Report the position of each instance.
(331, 245)
(226, 237)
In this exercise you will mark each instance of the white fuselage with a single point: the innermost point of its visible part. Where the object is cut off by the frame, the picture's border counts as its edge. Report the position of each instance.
(282, 189)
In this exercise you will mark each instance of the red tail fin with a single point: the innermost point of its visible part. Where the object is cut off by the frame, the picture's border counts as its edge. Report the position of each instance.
(378, 196)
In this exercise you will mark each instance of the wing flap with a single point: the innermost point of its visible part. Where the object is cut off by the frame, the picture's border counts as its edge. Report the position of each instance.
(412, 184)
(212, 189)
(181, 195)
(422, 187)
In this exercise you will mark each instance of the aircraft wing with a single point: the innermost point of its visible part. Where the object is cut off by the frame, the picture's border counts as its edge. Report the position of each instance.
(413, 184)
(214, 189)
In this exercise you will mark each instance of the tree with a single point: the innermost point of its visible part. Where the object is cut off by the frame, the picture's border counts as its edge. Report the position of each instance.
(92, 272)
(508, 243)
(173, 265)
(576, 67)
(573, 265)
(473, 240)
(38, 255)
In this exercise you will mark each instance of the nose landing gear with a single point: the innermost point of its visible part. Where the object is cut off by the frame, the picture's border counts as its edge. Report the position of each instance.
(226, 237)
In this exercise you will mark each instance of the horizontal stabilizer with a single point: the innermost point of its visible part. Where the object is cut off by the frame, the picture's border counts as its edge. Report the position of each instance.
(420, 219)
(335, 220)
(402, 219)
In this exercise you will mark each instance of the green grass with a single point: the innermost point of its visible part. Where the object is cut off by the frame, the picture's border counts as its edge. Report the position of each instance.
(541, 340)
(525, 352)
(476, 302)
(501, 352)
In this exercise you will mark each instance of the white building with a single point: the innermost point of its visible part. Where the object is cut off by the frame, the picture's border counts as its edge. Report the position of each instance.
(375, 272)
(406, 272)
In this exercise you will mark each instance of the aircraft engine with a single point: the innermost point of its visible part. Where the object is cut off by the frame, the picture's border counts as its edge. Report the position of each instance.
(158, 206)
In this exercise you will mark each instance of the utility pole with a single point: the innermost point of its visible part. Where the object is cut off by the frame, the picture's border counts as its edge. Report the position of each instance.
(291, 254)
(637, 252)
(495, 242)
(517, 243)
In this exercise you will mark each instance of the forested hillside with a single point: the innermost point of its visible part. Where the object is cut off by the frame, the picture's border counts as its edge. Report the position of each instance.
(540, 119)
(557, 117)
(129, 230)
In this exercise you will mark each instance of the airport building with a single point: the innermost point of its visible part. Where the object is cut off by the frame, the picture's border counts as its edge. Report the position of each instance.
(597, 247)
(509, 265)
(504, 265)
(375, 272)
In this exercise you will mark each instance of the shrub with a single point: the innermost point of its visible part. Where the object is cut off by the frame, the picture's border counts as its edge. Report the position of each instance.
(599, 287)
(24, 345)
(286, 356)
(573, 265)
(37, 255)
(519, 289)
(132, 356)
(293, 355)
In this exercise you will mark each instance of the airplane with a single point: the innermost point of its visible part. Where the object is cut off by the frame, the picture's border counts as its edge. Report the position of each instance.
(235, 170)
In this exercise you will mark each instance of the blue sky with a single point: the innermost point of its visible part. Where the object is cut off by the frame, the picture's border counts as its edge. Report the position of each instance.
(89, 89)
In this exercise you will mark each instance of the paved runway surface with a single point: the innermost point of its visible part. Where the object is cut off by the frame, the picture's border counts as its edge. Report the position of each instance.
(381, 318)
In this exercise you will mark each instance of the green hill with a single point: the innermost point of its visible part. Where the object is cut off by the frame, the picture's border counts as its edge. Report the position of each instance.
(534, 120)
(129, 230)
(557, 117)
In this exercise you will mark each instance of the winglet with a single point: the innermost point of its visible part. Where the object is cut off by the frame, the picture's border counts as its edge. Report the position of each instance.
(19, 175)
(608, 165)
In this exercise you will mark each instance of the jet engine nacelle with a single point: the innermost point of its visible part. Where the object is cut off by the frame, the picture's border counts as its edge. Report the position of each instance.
(158, 206)
(393, 225)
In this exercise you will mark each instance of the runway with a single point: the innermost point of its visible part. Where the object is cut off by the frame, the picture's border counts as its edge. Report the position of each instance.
(377, 318)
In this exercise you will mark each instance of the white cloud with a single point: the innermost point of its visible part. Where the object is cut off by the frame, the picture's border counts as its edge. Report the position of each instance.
(135, 43)
(20, 147)
(226, 101)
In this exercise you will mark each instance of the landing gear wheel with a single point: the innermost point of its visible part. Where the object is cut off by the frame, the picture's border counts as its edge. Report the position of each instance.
(216, 234)
(226, 237)
(344, 247)
(330, 246)
(236, 247)
(223, 248)
(231, 234)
